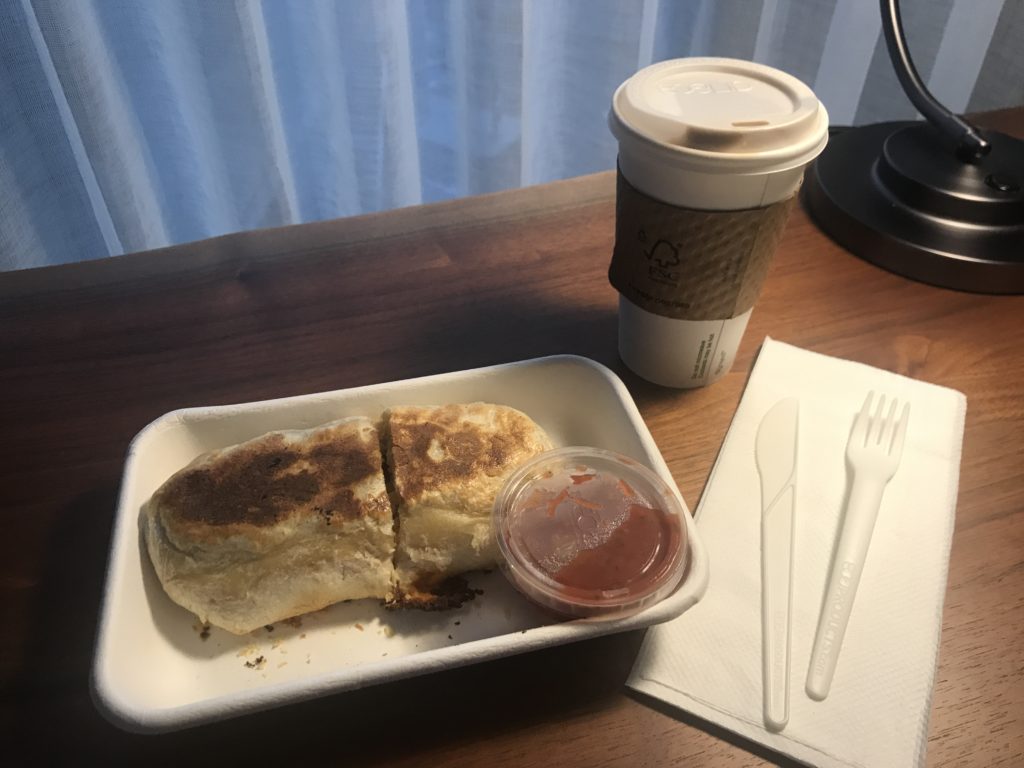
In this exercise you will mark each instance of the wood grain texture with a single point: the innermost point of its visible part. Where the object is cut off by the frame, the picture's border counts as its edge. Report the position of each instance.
(92, 352)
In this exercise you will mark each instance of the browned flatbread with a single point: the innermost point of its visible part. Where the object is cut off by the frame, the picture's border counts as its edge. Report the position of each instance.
(446, 465)
(287, 523)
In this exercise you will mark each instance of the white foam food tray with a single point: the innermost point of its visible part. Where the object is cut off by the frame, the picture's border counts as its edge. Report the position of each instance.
(155, 671)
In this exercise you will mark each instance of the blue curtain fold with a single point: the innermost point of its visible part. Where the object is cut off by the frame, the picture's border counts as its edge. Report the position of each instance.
(130, 124)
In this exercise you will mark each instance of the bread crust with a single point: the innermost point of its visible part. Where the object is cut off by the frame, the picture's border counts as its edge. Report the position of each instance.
(447, 464)
(280, 525)
(296, 520)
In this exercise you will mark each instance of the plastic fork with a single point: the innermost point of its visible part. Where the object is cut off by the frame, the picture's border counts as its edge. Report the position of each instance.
(873, 453)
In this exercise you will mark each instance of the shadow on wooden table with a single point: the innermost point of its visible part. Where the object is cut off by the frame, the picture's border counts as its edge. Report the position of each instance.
(488, 329)
(717, 731)
(53, 720)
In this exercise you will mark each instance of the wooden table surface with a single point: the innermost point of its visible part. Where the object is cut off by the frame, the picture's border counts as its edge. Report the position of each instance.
(90, 353)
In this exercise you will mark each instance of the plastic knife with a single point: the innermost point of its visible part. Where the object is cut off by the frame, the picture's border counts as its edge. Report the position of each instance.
(776, 453)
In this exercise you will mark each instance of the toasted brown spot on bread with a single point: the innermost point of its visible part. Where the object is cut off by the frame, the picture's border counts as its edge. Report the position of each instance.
(430, 594)
(264, 481)
(432, 447)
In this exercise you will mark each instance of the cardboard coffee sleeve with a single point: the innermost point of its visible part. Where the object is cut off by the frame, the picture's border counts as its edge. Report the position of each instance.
(692, 264)
(711, 154)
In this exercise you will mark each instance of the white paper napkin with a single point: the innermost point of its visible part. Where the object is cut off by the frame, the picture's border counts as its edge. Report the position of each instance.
(708, 661)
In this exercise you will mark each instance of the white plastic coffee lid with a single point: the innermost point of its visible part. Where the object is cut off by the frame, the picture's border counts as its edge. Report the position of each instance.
(721, 113)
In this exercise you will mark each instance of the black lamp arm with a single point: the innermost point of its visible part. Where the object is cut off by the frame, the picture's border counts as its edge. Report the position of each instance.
(970, 144)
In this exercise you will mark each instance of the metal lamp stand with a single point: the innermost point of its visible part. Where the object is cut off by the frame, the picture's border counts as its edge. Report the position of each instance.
(941, 201)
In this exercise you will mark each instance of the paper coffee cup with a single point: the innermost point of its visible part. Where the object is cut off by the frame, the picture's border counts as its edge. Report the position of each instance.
(711, 155)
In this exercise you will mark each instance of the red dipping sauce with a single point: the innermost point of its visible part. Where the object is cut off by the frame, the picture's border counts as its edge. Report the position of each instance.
(587, 532)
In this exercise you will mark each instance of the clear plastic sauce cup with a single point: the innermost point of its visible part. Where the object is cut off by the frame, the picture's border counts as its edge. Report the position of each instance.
(590, 533)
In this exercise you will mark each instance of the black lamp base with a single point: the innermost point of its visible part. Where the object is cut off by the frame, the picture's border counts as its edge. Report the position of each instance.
(897, 195)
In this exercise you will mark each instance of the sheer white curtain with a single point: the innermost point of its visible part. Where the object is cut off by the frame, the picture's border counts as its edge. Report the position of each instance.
(130, 124)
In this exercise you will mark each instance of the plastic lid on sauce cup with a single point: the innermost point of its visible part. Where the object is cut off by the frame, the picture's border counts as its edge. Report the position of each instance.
(590, 533)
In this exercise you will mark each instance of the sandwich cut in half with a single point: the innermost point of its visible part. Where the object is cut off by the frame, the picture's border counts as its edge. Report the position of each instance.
(446, 464)
(284, 524)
